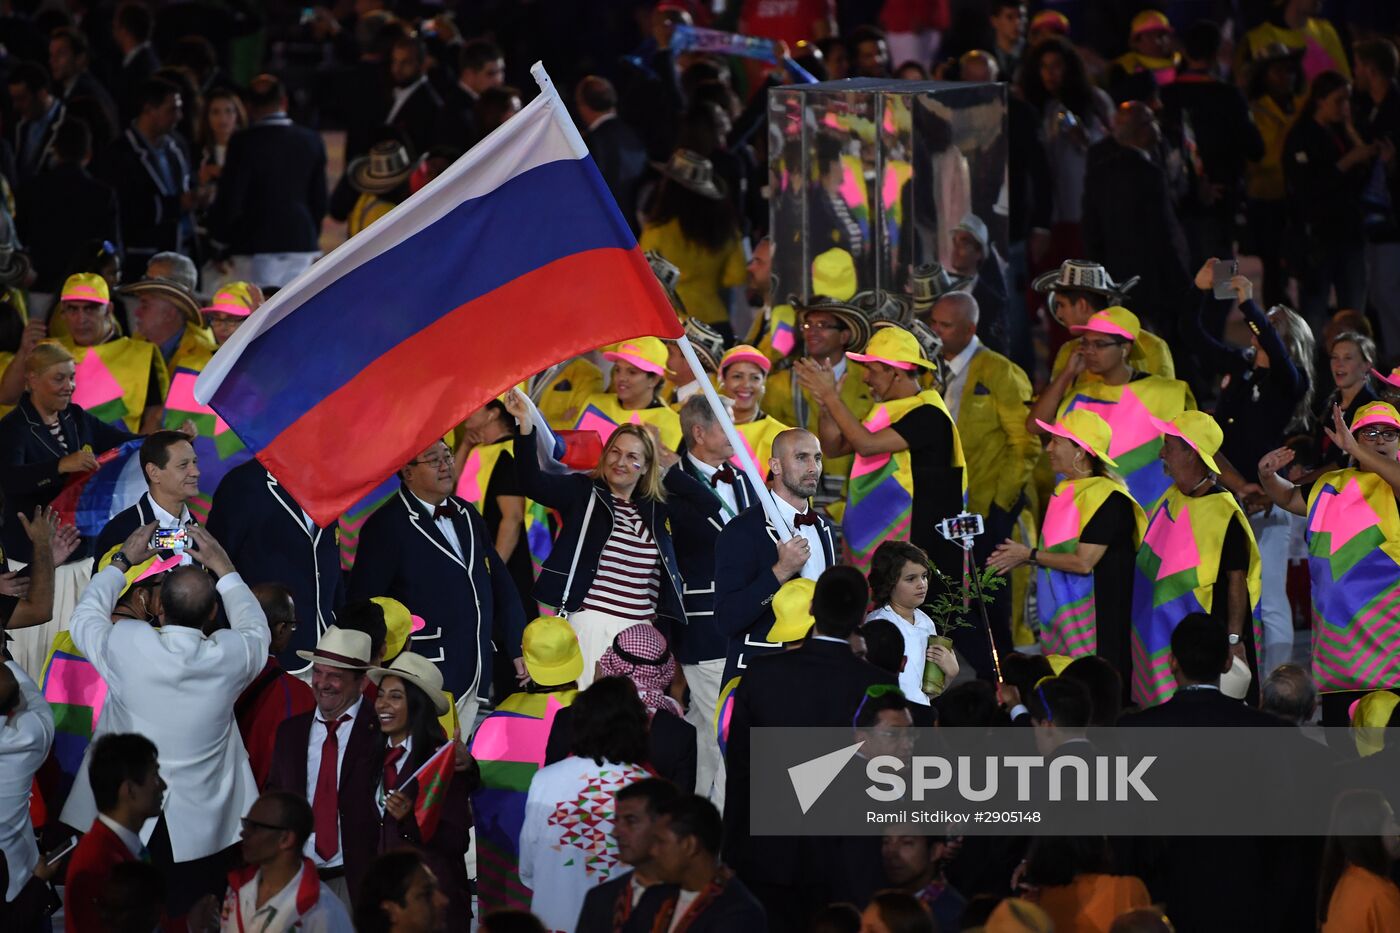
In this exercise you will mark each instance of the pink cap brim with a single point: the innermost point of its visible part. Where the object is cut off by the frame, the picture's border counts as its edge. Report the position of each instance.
(237, 310)
(1060, 430)
(646, 366)
(418, 624)
(758, 359)
(1102, 327)
(158, 566)
(1166, 427)
(1377, 418)
(867, 358)
(1391, 380)
(86, 295)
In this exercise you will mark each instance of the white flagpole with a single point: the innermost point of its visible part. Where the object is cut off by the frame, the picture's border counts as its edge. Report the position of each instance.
(765, 496)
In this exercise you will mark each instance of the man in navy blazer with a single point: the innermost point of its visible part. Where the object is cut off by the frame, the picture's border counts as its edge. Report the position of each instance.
(171, 469)
(271, 540)
(429, 550)
(750, 564)
(700, 646)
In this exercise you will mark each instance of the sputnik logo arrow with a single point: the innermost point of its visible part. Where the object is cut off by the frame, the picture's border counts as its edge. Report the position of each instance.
(811, 778)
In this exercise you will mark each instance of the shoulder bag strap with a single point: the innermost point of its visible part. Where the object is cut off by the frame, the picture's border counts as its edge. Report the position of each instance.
(563, 609)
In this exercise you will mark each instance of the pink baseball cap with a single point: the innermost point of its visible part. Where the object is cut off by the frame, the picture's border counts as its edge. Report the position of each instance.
(234, 298)
(1376, 413)
(1391, 379)
(744, 353)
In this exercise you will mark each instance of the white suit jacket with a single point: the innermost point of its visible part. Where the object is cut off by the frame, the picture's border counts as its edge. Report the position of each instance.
(25, 738)
(176, 687)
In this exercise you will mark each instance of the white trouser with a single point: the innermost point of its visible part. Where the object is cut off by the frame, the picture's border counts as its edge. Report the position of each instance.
(704, 682)
(31, 646)
(596, 631)
(1273, 531)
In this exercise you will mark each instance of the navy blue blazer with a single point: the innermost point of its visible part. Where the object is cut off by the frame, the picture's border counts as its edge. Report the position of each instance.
(260, 525)
(745, 552)
(463, 601)
(29, 459)
(569, 493)
(698, 521)
(121, 525)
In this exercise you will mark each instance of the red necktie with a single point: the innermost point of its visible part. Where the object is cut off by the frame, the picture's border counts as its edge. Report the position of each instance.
(325, 808)
(391, 768)
(725, 474)
(808, 517)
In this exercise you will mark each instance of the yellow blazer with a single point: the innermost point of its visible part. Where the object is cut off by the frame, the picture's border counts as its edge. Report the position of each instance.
(991, 419)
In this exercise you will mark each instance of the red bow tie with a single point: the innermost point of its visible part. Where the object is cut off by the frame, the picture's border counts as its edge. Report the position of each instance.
(808, 517)
(725, 474)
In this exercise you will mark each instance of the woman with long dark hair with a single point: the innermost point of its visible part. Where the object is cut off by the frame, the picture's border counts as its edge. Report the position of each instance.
(1326, 166)
(1354, 891)
(408, 705)
(614, 564)
(691, 221)
(609, 744)
(1073, 116)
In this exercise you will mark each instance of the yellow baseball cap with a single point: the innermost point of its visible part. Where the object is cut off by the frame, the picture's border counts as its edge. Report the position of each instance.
(235, 298)
(1369, 717)
(1086, 429)
(1150, 21)
(646, 353)
(744, 353)
(86, 286)
(1116, 322)
(834, 274)
(398, 626)
(552, 654)
(893, 346)
(1375, 413)
(1197, 429)
(792, 610)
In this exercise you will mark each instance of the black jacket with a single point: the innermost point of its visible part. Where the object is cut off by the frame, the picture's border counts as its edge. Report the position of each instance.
(622, 160)
(457, 119)
(698, 522)
(127, 79)
(600, 906)
(1219, 118)
(745, 553)
(29, 459)
(819, 684)
(86, 85)
(272, 192)
(417, 121)
(150, 204)
(260, 525)
(1200, 707)
(403, 554)
(52, 236)
(570, 493)
(42, 156)
(1325, 199)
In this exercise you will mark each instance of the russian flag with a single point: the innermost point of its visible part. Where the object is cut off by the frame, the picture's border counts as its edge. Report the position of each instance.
(513, 259)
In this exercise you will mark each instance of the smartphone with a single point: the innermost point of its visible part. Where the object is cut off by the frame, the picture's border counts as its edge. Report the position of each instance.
(963, 525)
(1221, 273)
(52, 856)
(169, 539)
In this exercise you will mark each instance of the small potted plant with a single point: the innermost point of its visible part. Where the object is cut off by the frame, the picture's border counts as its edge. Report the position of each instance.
(949, 609)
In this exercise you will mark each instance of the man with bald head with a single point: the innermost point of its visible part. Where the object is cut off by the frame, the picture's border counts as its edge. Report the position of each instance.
(1130, 224)
(751, 563)
(987, 395)
(177, 686)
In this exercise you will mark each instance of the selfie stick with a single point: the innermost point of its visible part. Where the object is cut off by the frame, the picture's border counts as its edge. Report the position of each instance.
(962, 529)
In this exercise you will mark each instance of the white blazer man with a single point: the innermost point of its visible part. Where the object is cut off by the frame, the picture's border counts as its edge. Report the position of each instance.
(177, 686)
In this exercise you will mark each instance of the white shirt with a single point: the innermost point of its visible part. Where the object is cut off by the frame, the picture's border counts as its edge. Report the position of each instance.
(911, 679)
(401, 96)
(25, 738)
(445, 526)
(313, 770)
(686, 391)
(725, 491)
(816, 554)
(839, 368)
(684, 899)
(129, 839)
(610, 115)
(164, 518)
(957, 381)
(327, 915)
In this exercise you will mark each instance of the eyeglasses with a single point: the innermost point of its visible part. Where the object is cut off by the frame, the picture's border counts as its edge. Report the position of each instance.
(251, 824)
(1379, 434)
(819, 325)
(434, 462)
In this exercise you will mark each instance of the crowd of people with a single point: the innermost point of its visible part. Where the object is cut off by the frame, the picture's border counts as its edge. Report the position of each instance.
(513, 688)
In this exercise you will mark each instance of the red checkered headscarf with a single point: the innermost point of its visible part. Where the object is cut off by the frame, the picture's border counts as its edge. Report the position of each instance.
(640, 654)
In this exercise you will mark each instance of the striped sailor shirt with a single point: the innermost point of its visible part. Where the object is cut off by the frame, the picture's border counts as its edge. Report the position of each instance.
(628, 581)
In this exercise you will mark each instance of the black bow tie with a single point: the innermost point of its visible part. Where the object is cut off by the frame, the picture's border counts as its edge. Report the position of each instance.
(725, 474)
(444, 511)
(808, 517)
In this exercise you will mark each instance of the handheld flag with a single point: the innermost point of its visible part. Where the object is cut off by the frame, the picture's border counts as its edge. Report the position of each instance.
(475, 283)
(91, 500)
(434, 775)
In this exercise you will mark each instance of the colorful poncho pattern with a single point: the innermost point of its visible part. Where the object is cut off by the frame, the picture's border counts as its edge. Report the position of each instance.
(1354, 557)
(880, 501)
(603, 414)
(1178, 566)
(1069, 623)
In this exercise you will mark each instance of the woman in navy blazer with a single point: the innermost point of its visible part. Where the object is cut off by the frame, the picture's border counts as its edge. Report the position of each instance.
(595, 509)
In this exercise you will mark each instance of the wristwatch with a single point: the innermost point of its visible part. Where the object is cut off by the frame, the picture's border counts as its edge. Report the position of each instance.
(1234, 639)
(122, 561)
